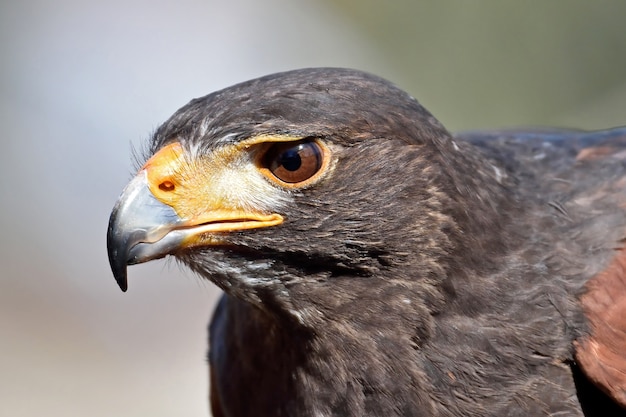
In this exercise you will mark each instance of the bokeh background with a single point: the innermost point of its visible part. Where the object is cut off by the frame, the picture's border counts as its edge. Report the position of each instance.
(81, 82)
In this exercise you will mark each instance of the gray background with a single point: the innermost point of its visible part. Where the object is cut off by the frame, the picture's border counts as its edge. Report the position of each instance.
(83, 81)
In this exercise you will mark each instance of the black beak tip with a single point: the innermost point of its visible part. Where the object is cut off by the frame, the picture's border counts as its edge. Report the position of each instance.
(117, 260)
(122, 282)
(119, 272)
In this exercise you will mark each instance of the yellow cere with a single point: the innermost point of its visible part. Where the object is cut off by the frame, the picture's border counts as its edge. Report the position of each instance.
(219, 192)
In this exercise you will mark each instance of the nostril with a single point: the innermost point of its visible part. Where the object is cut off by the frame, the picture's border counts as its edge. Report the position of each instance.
(167, 186)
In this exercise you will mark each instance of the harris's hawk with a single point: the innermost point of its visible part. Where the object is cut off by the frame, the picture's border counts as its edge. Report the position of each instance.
(373, 264)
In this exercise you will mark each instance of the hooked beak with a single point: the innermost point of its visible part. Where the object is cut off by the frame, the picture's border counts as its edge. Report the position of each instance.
(141, 228)
(144, 226)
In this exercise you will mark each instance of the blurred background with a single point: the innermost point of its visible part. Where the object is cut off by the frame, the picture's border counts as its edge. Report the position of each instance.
(83, 81)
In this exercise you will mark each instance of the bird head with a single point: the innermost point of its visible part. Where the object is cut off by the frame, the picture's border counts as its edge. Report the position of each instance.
(295, 181)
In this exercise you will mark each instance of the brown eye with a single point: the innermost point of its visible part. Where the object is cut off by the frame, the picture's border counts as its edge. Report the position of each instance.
(294, 162)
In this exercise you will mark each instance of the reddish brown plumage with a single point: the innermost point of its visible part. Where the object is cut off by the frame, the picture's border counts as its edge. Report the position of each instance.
(602, 353)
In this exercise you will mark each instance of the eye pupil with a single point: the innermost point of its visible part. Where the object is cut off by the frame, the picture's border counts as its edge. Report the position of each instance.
(291, 160)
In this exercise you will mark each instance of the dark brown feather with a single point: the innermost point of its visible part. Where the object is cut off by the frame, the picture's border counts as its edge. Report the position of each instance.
(428, 274)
